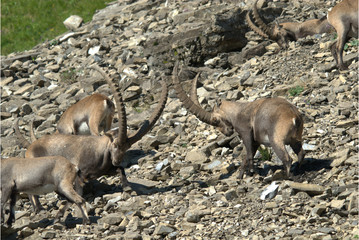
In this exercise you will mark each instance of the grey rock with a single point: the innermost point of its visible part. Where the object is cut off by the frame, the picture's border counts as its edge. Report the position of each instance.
(163, 229)
(198, 196)
(111, 219)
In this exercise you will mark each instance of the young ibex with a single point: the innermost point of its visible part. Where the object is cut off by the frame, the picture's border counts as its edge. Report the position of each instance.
(96, 155)
(282, 33)
(95, 110)
(270, 121)
(40, 176)
(344, 18)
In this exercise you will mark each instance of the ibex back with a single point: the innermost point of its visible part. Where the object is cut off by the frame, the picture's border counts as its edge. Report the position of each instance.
(96, 111)
(270, 121)
(96, 155)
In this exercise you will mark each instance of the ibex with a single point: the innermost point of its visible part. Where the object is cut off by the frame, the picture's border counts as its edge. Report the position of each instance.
(344, 18)
(270, 121)
(95, 110)
(95, 155)
(282, 33)
(40, 176)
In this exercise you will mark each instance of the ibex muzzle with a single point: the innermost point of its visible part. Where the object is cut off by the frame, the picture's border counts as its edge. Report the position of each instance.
(96, 155)
(40, 176)
(96, 111)
(270, 121)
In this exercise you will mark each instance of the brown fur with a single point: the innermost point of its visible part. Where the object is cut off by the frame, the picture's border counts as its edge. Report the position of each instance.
(270, 121)
(96, 111)
(284, 32)
(32, 175)
(344, 18)
(96, 155)
(307, 28)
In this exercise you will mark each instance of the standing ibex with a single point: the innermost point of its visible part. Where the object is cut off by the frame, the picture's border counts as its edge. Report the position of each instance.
(40, 176)
(270, 121)
(282, 33)
(95, 110)
(96, 155)
(344, 18)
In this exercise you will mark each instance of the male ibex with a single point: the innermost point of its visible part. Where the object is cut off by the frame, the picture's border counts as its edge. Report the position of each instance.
(270, 121)
(96, 155)
(282, 33)
(40, 176)
(344, 18)
(95, 110)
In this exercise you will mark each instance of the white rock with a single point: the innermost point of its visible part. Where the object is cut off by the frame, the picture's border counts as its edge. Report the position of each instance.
(270, 191)
(73, 22)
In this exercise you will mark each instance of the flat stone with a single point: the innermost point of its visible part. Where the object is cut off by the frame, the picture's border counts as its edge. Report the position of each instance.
(339, 204)
(310, 188)
(111, 219)
(163, 229)
(196, 156)
(24, 89)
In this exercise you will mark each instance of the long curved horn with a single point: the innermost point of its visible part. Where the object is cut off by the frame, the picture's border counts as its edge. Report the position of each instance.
(121, 111)
(148, 124)
(254, 27)
(23, 141)
(197, 110)
(267, 30)
(193, 95)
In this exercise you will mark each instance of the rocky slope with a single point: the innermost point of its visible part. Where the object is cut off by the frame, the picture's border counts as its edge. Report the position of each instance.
(184, 172)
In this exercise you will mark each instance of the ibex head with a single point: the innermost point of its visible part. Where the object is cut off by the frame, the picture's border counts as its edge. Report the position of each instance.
(121, 142)
(276, 33)
(221, 122)
(216, 118)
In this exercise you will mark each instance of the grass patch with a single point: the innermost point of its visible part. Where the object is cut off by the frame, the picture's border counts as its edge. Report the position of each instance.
(295, 91)
(353, 43)
(69, 76)
(26, 23)
(265, 154)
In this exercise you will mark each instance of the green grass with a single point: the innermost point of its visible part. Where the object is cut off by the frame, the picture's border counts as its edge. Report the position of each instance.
(26, 23)
(353, 43)
(295, 91)
(265, 154)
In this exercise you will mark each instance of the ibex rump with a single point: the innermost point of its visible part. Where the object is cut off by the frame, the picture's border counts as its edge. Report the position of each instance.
(95, 110)
(270, 121)
(344, 18)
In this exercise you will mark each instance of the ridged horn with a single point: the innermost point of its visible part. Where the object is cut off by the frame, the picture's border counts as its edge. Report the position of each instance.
(121, 111)
(197, 110)
(23, 141)
(254, 27)
(148, 124)
(193, 95)
(267, 30)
